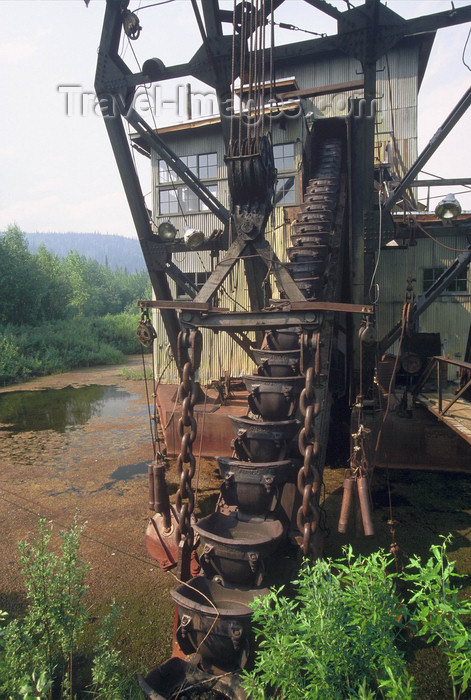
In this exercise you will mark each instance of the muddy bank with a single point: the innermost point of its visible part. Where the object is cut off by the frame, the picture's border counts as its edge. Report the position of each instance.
(97, 470)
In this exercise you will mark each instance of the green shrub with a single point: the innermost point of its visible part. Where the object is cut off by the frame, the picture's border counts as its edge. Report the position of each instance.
(45, 640)
(29, 351)
(336, 638)
(37, 652)
(437, 610)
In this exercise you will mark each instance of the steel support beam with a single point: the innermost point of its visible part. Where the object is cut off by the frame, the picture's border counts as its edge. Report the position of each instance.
(325, 7)
(251, 320)
(151, 137)
(443, 131)
(428, 297)
(152, 249)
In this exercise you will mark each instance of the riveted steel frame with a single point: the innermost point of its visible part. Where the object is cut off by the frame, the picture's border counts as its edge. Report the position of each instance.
(365, 32)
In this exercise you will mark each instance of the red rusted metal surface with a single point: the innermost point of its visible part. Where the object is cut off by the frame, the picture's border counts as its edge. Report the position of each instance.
(214, 428)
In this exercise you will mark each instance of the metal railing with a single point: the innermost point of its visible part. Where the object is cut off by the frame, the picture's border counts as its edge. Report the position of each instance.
(438, 362)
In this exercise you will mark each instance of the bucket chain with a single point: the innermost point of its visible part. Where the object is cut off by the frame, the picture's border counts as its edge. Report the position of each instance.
(189, 356)
(309, 480)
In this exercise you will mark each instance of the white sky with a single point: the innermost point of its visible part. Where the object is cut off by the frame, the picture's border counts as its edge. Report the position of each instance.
(58, 172)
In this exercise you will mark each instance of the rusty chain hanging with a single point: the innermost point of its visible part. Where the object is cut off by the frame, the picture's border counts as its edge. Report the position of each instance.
(310, 474)
(189, 357)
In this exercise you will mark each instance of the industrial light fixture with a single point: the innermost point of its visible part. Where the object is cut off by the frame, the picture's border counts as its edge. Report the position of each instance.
(154, 68)
(167, 231)
(449, 208)
(193, 238)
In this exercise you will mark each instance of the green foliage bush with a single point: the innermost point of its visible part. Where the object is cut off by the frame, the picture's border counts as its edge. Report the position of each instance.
(37, 652)
(29, 351)
(57, 314)
(340, 635)
(43, 287)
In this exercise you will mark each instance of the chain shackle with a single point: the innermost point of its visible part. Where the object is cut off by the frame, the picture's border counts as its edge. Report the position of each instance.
(309, 479)
(188, 359)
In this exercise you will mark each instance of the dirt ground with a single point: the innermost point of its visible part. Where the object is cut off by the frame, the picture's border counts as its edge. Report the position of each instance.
(57, 475)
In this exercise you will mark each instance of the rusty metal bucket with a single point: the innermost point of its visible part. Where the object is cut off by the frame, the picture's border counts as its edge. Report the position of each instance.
(301, 270)
(277, 363)
(309, 239)
(283, 338)
(255, 488)
(262, 441)
(177, 678)
(236, 549)
(215, 621)
(273, 398)
(311, 287)
(307, 254)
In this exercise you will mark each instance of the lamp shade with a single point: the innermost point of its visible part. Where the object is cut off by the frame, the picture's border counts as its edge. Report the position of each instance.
(448, 208)
(167, 231)
(193, 238)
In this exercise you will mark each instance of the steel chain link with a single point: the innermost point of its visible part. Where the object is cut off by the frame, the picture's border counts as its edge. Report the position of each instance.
(189, 356)
(309, 480)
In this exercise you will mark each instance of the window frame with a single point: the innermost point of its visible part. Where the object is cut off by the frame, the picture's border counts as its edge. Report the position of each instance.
(436, 272)
(286, 173)
(182, 194)
(200, 275)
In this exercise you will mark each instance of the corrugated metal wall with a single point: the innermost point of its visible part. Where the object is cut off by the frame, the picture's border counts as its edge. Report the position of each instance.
(220, 353)
(397, 80)
(450, 314)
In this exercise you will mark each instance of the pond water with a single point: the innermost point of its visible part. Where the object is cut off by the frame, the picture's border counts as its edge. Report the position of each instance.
(61, 409)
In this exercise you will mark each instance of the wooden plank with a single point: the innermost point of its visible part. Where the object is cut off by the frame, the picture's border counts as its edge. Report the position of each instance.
(307, 305)
(324, 89)
(179, 304)
(458, 417)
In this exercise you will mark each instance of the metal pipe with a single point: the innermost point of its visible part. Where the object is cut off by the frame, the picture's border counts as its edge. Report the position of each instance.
(429, 149)
(150, 477)
(365, 506)
(346, 505)
(161, 497)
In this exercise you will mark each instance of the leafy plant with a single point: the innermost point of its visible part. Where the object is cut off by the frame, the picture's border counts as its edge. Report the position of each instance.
(110, 681)
(438, 609)
(37, 651)
(335, 638)
(44, 641)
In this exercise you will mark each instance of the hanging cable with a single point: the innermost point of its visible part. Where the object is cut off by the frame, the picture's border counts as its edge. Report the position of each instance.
(293, 28)
(464, 50)
(379, 246)
(435, 240)
(154, 4)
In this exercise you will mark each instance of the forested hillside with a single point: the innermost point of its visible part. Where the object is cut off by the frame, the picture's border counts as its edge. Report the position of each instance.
(111, 251)
(58, 313)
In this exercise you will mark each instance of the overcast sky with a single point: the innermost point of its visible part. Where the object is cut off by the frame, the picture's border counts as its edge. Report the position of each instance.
(57, 169)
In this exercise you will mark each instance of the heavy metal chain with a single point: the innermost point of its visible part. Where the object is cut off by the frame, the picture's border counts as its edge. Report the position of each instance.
(310, 474)
(189, 357)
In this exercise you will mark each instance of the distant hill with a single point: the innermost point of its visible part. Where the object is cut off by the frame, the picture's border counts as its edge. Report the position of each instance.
(114, 251)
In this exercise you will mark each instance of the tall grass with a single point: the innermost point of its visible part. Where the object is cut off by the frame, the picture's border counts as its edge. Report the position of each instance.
(32, 351)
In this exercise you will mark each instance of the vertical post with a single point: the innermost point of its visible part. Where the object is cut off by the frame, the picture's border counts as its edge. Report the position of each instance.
(439, 385)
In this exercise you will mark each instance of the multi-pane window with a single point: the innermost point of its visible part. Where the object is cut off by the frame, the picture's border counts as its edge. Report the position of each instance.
(458, 286)
(198, 278)
(285, 193)
(204, 166)
(283, 153)
(180, 198)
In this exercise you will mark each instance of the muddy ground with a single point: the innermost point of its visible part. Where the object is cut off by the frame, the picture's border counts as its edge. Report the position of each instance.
(98, 471)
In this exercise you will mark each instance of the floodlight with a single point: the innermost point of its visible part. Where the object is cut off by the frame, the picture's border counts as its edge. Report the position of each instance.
(167, 231)
(153, 68)
(448, 208)
(193, 238)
